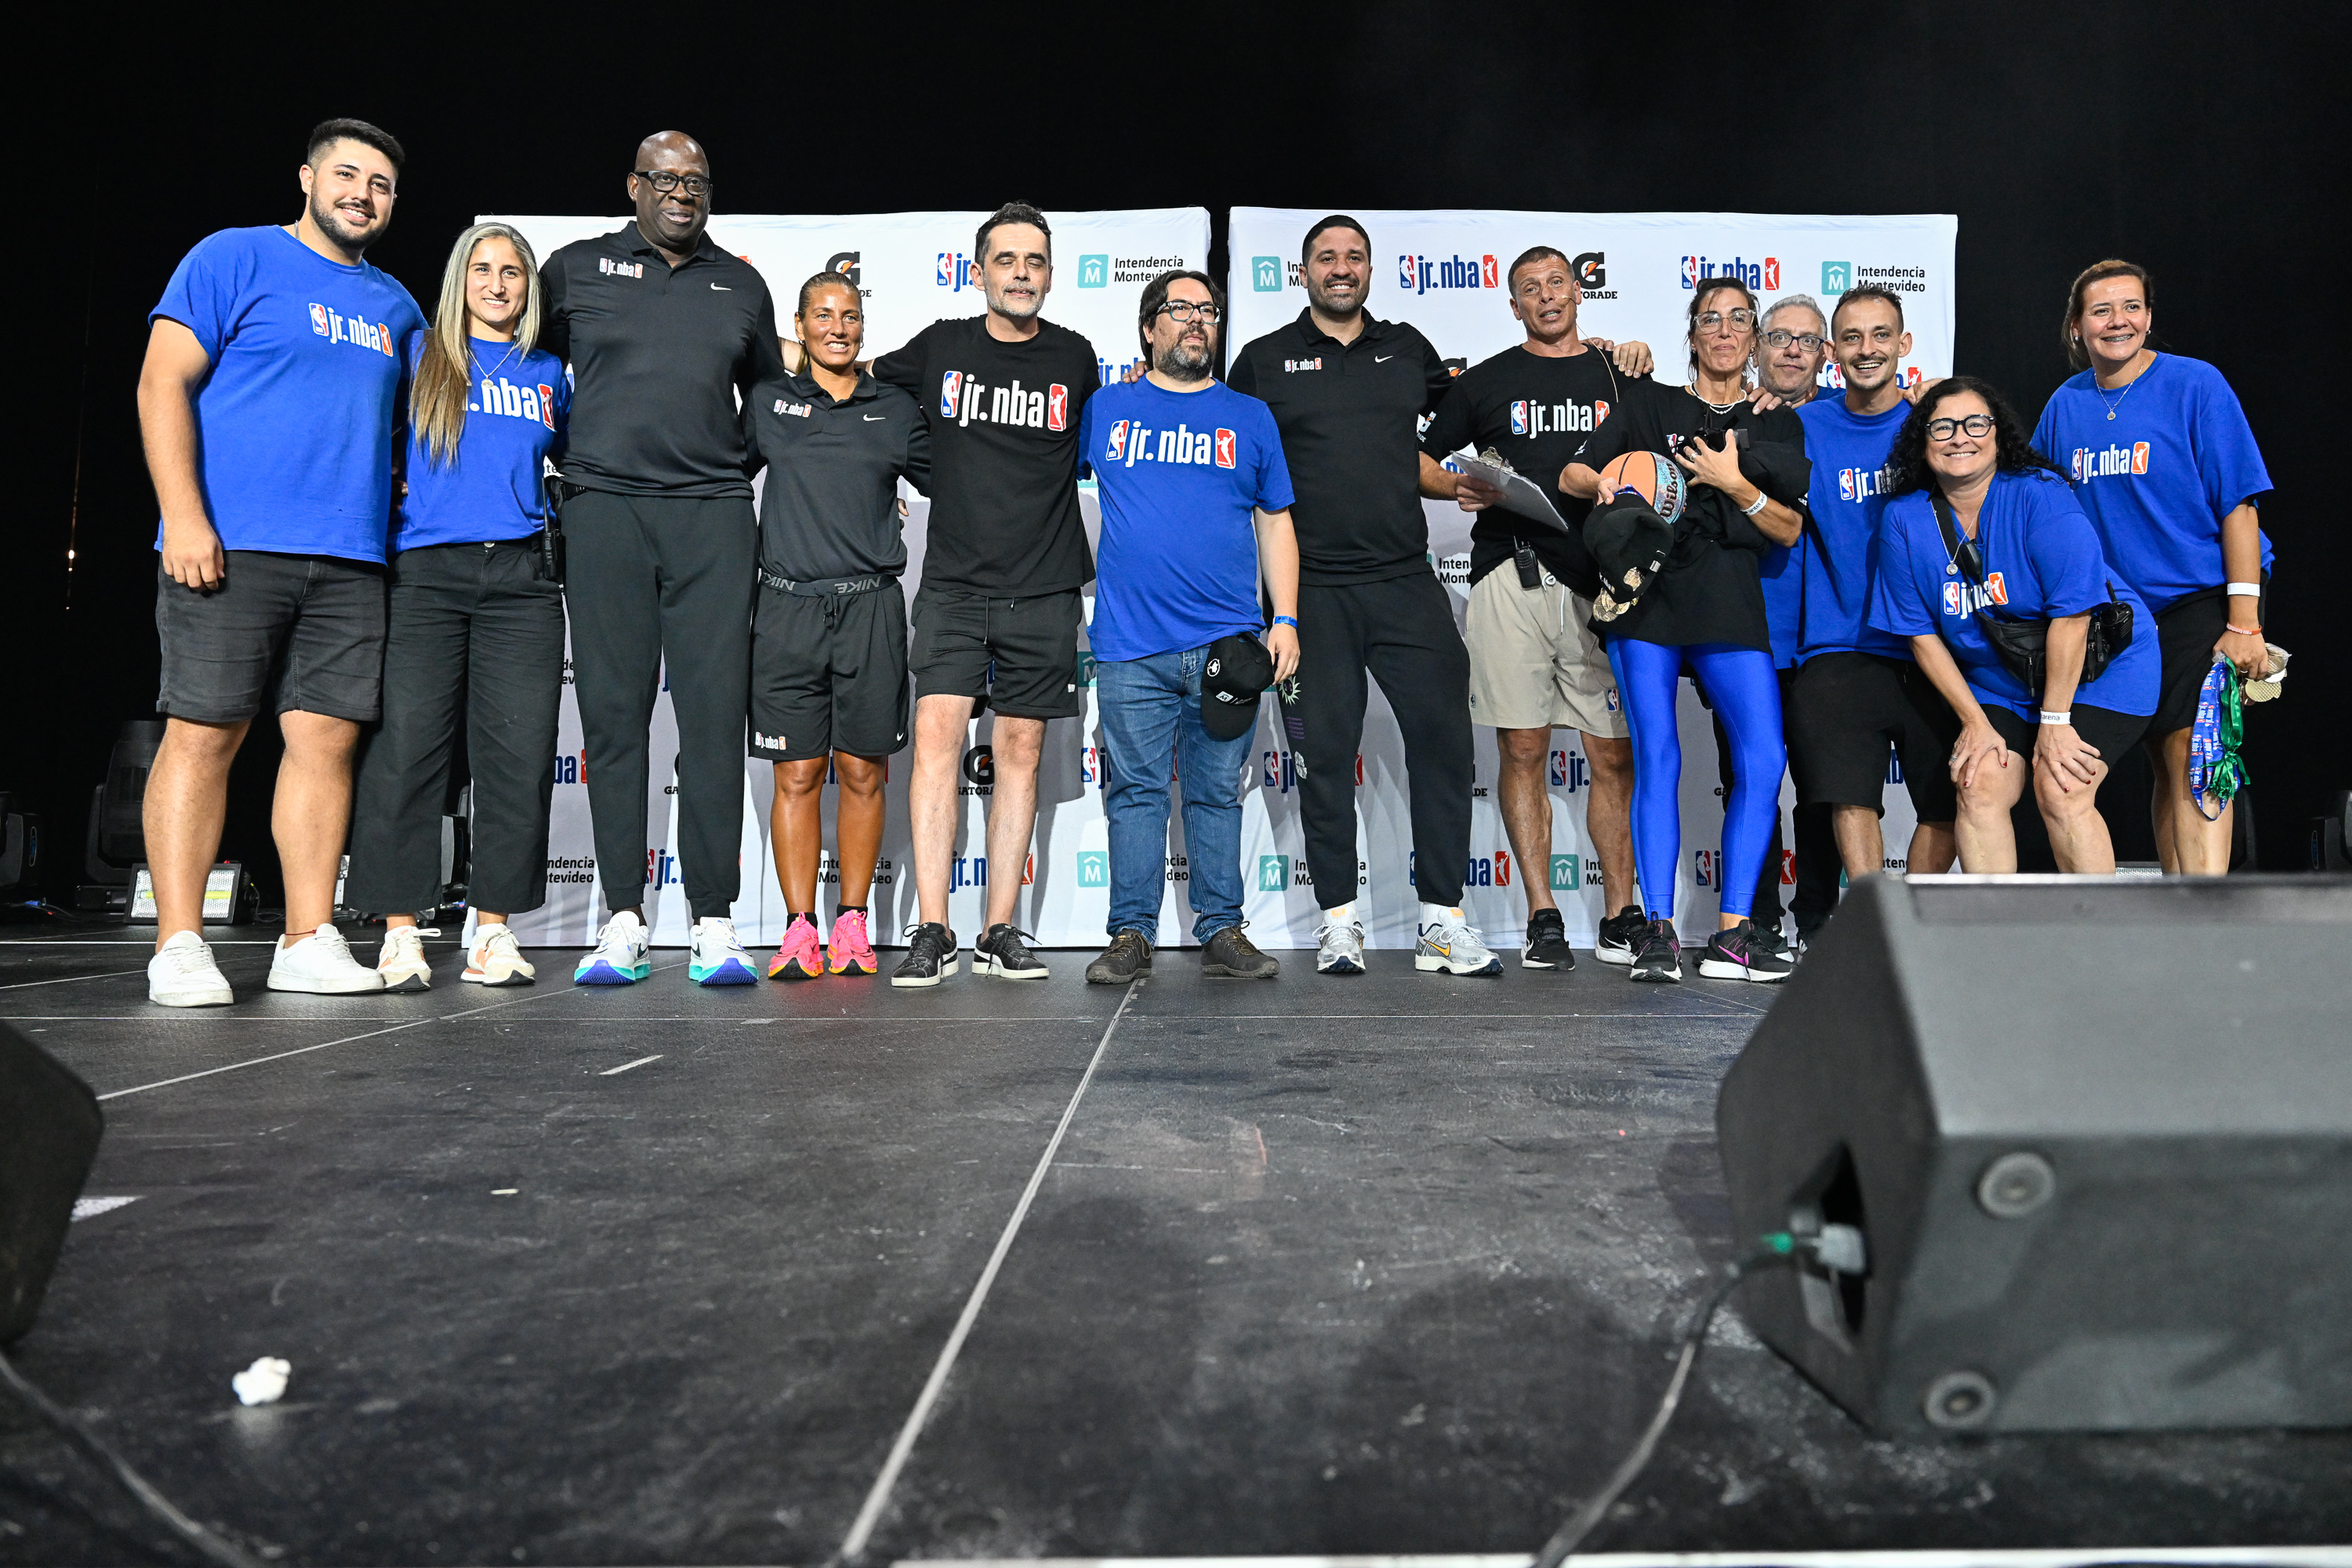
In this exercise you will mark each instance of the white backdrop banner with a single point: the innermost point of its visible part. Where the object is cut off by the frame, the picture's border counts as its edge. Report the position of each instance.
(1440, 271)
(1445, 272)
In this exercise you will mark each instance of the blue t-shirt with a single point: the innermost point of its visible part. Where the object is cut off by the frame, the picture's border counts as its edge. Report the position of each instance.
(1176, 474)
(516, 416)
(2042, 559)
(1781, 572)
(296, 422)
(1840, 554)
(2159, 478)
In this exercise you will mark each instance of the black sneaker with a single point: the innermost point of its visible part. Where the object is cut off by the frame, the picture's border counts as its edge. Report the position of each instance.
(1229, 953)
(1743, 952)
(1127, 956)
(1000, 952)
(930, 956)
(1657, 956)
(1620, 933)
(1546, 943)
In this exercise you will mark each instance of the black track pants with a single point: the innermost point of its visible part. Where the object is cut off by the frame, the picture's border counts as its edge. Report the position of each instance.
(663, 584)
(1402, 631)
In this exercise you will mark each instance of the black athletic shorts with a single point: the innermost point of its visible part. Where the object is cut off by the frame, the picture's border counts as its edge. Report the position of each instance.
(1844, 710)
(1019, 657)
(300, 632)
(2186, 631)
(828, 675)
(2110, 732)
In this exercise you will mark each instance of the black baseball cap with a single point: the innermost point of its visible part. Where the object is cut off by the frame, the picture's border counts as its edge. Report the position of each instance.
(1630, 542)
(1238, 672)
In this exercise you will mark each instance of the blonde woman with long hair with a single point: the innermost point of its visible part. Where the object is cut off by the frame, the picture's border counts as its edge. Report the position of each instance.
(475, 628)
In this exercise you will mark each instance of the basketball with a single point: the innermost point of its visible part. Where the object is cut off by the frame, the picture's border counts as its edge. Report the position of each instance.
(1651, 476)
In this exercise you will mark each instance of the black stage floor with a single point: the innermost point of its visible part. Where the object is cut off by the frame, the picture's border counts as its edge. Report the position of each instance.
(668, 1275)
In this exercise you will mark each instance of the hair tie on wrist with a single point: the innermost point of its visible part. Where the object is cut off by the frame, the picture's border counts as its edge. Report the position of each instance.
(2243, 631)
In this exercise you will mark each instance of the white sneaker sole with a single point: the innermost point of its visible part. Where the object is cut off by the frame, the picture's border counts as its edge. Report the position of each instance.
(1621, 957)
(987, 964)
(194, 997)
(368, 980)
(1718, 969)
(512, 978)
(1438, 963)
(407, 979)
(948, 966)
(1337, 963)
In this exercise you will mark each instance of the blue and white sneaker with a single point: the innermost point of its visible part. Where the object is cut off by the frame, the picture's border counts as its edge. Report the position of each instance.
(718, 958)
(619, 958)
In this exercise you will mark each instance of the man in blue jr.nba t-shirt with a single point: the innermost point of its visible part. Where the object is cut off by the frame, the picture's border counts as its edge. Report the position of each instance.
(272, 389)
(1195, 509)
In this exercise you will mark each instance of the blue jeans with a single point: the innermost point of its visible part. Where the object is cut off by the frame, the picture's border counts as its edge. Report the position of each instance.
(1150, 712)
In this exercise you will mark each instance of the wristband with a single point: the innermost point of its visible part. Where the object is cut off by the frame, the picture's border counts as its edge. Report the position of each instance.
(2065, 718)
(1752, 508)
(1290, 621)
(2251, 590)
(2243, 631)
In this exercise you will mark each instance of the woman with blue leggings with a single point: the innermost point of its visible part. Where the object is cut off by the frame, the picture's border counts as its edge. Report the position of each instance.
(1704, 613)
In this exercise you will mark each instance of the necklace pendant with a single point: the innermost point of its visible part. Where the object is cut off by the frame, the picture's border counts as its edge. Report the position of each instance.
(1951, 570)
(2110, 414)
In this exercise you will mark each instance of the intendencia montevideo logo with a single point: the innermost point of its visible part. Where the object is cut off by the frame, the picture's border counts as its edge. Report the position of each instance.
(341, 328)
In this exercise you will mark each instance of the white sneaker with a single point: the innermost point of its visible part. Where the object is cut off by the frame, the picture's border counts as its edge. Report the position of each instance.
(495, 959)
(400, 960)
(1339, 948)
(322, 963)
(1453, 946)
(183, 975)
(619, 958)
(717, 958)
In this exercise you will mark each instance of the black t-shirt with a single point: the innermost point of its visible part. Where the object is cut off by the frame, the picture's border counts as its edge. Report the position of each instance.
(657, 355)
(831, 505)
(1350, 416)
(1710, 591)
(1536, 410)
(1005, 454)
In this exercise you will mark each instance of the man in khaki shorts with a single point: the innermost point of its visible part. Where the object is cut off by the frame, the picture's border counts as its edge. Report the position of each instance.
(1533, 664)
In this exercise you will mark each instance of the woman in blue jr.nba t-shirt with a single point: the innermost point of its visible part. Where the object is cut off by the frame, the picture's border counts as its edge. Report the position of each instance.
(2020, 550)
(2166, 467)
(475, 625)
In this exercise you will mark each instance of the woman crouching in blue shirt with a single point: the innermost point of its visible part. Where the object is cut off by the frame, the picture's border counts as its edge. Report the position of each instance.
(2020, 550)
(476, 620)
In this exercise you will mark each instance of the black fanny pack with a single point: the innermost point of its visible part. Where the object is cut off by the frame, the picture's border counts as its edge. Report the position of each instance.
(2023, 645)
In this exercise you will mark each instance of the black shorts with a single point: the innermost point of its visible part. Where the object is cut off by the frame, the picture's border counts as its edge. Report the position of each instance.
(1019, 657)
(2110, 732)
(828, 675)
(1844, 710)
(300, 632)
(2186, 631)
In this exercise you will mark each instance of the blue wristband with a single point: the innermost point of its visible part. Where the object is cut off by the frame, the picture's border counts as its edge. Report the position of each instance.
(1290, 621)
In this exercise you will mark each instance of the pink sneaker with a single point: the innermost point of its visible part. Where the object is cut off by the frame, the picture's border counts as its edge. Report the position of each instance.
(798, 958)
(850, 952)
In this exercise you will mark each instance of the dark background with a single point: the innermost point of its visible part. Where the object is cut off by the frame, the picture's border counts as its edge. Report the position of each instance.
(2186, 137)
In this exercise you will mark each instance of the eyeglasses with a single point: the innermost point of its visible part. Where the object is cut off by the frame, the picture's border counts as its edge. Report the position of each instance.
(665, 181)
(1740, 321)
(1185, 309)
(1977, 424)
(1779, 338)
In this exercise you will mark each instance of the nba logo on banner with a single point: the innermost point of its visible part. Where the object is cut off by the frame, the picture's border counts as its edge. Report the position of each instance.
(1058, 408)
(1094, 868)
(1265, 274)
(1225, 448)
(1702, 867)
(1115, 448)
(951, 391)
(1089, 765)
(1408, 275)
(319, 320)
(1273, 873)
(1519, 425)
(1558, 768)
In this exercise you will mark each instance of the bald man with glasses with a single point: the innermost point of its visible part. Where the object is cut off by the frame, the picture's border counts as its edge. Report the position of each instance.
(662, 331)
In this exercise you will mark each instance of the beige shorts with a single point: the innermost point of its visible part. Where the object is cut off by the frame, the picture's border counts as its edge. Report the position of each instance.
(1533, 664)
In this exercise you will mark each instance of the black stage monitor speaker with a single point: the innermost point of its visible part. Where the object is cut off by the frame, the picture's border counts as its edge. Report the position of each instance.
(49, 1124)
(2096, 1136)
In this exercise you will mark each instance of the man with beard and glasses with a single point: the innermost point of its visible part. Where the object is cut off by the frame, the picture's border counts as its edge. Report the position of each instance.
(268, 403)
(1195, 506)
(1347, 392)
(1534, 663)
(663, 332)
(996, 617)
(1854, 692)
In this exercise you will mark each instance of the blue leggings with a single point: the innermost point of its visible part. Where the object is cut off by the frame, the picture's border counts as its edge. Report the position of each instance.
(1746, 691)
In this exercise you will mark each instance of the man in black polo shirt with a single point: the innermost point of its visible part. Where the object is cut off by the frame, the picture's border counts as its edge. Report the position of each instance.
(996, 617)
(1347, 392)
(662, 329)
(1534, 663)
